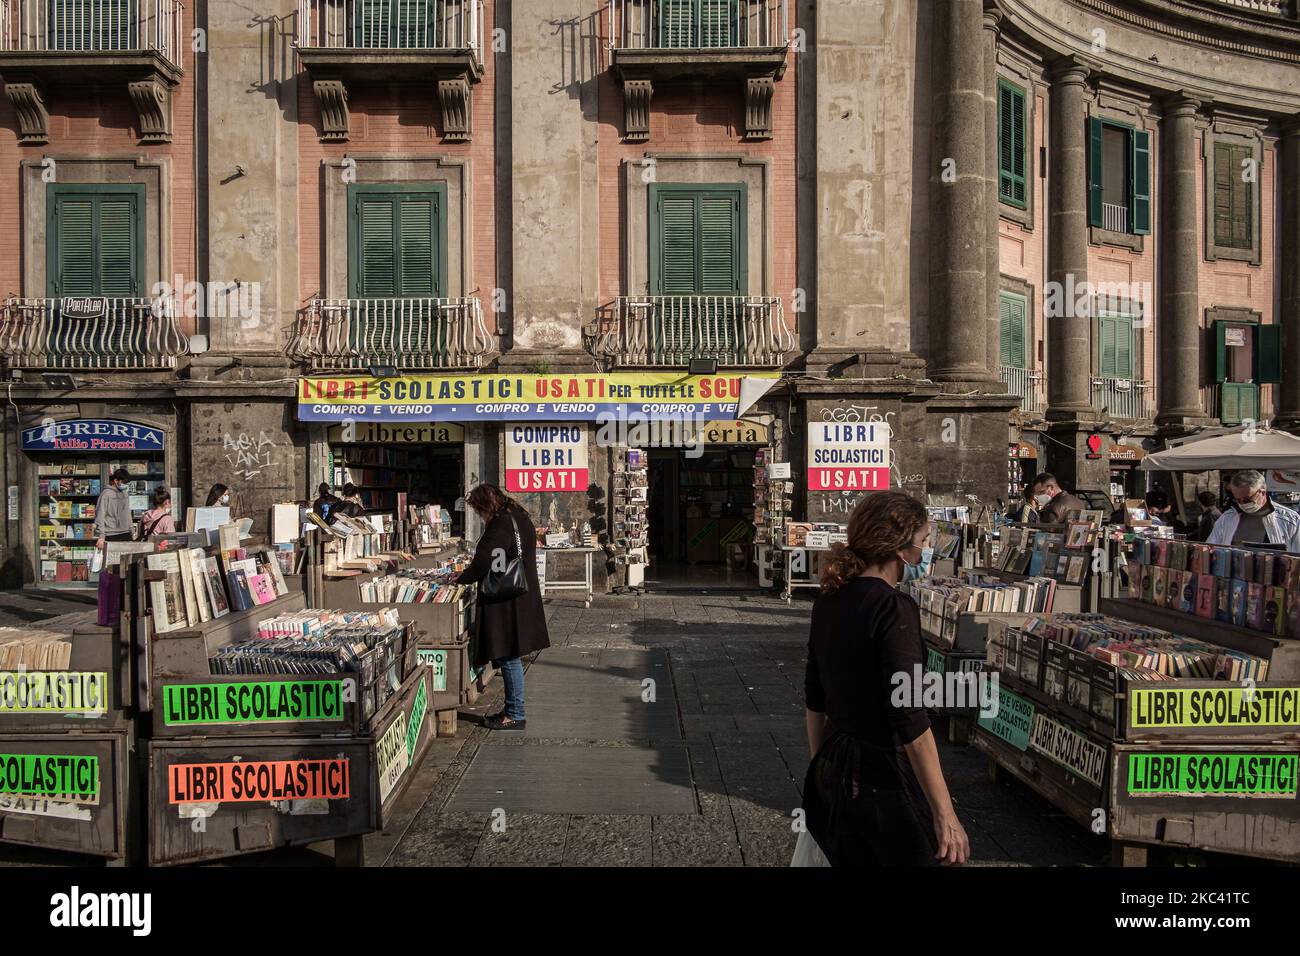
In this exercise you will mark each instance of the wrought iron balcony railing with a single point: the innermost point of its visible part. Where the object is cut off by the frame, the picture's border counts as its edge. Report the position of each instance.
(90, 333)
(403, 333)
(1025, 382)
(1278, 8)
(698, 24)
(405, 25)
(93, 26)
(1126, 398)
(670, 330)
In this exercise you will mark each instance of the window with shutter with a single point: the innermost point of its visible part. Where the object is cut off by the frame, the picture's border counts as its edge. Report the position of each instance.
(1119, 177)
(1014, 334)
(1011, 144)
(93, 24)
(1115, 346)
(1233, 197)
(396, 267)
(697, 262)
(94, 235)
(399, 24)
(677, 21)
(94, 238)
(699, 23)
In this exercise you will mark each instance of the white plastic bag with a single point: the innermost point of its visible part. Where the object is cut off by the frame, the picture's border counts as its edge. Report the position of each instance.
(807, 852)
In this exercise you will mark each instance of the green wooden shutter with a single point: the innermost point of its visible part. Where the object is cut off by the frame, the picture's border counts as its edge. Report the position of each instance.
(1220, 351)
(719, 245)
(677, 20)
(677, 255)
(1237, 402)
(116, 247)
(1268, 354)
(75, 248)
(1011, 144)
(376, 227)
(95, 241)
(1140, 184)
(372, 22)
(413, 24)
(1095, 165)
(1012, 333)
(1124, 346)
(418, 253)
(1108, 334)
(719, 23)
(1233, 197)
(93, 24)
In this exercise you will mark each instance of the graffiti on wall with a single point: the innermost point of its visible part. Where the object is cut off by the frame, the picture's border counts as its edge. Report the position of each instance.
(248, 456)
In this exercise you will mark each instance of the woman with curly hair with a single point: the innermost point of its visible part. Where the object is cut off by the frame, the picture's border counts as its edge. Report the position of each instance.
(874, 794)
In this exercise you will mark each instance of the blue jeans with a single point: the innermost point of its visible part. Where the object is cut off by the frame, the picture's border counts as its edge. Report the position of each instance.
(512, 673)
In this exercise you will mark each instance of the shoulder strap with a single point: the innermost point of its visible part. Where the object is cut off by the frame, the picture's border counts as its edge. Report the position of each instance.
(519, 545)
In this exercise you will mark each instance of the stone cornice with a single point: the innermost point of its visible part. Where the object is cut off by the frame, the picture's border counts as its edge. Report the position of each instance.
(1047, 25)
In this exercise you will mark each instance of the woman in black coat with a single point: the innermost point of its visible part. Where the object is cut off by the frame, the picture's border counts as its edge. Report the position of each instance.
(507, 629)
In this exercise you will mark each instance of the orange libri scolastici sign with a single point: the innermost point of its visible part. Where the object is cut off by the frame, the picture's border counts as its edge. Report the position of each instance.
(258, 780)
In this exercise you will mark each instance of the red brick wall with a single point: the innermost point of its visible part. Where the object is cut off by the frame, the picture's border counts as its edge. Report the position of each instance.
(99, 121)
(705, 118)
(401, 119)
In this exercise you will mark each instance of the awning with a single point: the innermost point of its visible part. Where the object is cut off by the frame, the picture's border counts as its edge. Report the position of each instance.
(1256, 448)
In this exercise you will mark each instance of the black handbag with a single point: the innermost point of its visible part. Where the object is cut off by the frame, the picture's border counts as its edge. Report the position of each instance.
(510, 583)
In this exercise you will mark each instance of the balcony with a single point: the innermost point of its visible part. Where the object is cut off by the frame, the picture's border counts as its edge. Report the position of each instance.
(668, 331)
(336, 334)
(1276, 8)
(344, 42)
(658, 41)
(90, 333)
(1123, 398)
(1114, 217)
(1028, 384)
(48, 43)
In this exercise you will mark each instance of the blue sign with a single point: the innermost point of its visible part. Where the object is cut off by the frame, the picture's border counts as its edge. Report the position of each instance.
(93, 435)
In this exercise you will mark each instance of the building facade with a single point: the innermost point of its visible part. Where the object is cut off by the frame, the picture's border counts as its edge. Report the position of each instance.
(876, 210)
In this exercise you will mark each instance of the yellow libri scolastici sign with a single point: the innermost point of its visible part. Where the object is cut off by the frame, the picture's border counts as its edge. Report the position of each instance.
(653, 396)
(1226, 706)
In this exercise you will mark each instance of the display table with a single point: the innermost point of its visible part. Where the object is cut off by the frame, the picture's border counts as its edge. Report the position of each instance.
(811, 580)
(583, 584)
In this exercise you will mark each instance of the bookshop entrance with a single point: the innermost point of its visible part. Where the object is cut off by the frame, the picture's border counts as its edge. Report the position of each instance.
(701, 518)
(425, 462)
(70, 463)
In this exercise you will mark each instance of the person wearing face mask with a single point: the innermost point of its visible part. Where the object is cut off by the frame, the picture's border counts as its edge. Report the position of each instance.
(113, 510)
(218, 496)
(1253, 518)
(1053, 504)
(874, 794)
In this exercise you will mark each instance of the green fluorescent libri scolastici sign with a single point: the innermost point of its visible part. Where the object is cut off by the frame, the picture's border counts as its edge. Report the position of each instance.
(50, 775)
(1212, 774)
(252, 702)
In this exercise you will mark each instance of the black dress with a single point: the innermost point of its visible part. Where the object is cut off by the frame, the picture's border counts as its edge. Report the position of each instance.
(516, 626)
(862, 802)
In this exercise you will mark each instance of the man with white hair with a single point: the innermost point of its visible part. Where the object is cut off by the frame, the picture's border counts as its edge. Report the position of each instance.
(1255, 519)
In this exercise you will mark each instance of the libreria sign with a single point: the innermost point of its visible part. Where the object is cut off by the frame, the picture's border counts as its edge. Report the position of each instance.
(92, 434)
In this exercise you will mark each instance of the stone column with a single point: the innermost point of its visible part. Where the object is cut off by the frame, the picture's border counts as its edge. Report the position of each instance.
(1178, 376)
(1069, 337)
(993, 284)
(553, 173)
(1288, 253)
(959, 201)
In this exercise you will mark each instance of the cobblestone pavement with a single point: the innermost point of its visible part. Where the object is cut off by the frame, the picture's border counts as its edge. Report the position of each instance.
(19, 608)
(737, 666)
(734, 704)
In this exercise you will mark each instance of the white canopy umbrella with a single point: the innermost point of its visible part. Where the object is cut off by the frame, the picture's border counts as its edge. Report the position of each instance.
(1257, 448)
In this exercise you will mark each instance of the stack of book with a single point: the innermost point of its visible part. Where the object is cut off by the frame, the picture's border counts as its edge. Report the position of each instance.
(414, 586)
(200, 586)
(312, 642)
(1255, 589)
(31, 649)
(943, 600)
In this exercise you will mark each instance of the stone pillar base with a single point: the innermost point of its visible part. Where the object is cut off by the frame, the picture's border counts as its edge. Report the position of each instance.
(965, 442)
(839, 362)
(1067, 456)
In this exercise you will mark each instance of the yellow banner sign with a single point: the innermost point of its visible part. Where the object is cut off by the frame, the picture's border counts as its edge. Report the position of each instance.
(655, 396)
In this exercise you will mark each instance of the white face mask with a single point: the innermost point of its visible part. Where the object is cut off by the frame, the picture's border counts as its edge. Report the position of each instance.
(1249, 507)
(1042, 500)
(225, 499)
